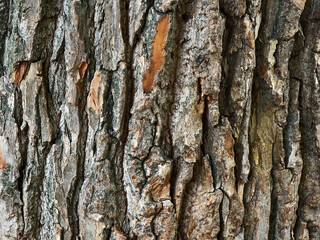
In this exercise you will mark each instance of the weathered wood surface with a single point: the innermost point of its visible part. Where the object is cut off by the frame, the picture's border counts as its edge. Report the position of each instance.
(159, 119)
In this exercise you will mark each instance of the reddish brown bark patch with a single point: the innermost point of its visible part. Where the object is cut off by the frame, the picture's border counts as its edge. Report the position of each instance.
(19, 71)
(82, 69)
(229, 143)
(158, 53)
(3, 163)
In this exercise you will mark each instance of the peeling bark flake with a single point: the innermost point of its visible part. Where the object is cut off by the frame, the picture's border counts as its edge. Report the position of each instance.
(20, 70)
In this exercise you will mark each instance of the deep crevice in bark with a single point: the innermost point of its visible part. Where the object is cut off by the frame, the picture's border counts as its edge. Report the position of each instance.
(23, 146)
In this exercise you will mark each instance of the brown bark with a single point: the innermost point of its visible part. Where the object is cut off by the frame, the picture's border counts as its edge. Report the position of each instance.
(159, 119)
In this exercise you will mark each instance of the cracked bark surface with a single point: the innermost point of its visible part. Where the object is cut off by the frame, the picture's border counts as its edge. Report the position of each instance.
(159, 119)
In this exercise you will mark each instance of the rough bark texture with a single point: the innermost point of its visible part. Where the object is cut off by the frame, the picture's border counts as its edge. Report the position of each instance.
(159, 119)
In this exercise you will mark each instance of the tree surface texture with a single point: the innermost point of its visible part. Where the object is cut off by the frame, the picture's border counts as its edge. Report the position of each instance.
(159, 119)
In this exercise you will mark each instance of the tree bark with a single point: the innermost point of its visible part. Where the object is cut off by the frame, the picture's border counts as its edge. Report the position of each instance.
(159, 119)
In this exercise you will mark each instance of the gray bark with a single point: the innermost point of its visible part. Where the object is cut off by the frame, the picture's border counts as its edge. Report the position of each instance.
(159, 119)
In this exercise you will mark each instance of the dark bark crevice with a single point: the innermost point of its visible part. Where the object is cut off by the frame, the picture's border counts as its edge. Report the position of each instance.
(4, 22)
(23, 146)
(308, 106)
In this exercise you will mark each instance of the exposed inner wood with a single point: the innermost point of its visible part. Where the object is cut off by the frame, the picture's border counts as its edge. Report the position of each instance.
(82, 69)
(94, 101)
(19, 71)
(158, 54)
(229, 145)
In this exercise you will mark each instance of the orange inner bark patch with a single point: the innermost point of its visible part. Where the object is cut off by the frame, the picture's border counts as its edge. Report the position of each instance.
(3, 163)
(229, 145)
(82, 69)
(94, 101)
(19, 71)
(158, 52)
(59, 236)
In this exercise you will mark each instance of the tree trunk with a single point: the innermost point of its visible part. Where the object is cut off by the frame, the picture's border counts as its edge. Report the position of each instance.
(159, 119)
